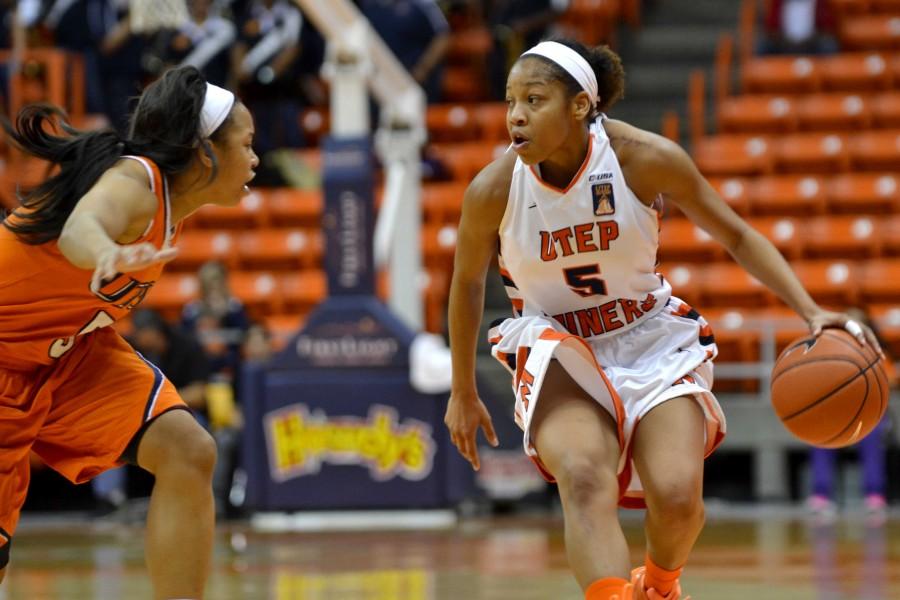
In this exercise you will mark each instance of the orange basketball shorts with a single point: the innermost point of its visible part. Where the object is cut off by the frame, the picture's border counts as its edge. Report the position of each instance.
(78, 415)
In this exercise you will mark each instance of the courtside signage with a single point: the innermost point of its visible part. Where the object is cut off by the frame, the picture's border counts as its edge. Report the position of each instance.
(301, 440)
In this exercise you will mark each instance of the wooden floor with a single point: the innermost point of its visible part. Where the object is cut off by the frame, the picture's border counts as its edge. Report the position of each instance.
(745, 555)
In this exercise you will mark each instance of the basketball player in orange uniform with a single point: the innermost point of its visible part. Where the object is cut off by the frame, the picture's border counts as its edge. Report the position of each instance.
(612, 374)
(84, 249)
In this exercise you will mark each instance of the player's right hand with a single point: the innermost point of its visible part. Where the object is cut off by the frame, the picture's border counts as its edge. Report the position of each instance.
(465, 414)
(123, 259)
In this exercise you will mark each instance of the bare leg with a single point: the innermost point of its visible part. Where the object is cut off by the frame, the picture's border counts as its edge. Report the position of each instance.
(668, 455)
(181, 521)
(577, 441)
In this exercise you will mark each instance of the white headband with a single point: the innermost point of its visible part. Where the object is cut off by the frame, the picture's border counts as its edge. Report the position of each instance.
(216, 106)
(573, 64)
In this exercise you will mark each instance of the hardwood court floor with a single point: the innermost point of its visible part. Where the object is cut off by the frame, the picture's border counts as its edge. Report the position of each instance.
(767, 556)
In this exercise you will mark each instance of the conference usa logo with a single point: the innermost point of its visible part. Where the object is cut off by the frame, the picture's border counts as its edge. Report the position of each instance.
(300, 441)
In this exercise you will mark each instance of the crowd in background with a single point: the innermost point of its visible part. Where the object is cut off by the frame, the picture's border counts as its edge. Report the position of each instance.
(271, 55)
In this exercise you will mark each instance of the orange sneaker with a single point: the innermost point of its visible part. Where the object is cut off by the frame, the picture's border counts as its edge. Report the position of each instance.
(626, 592)
(640, 593)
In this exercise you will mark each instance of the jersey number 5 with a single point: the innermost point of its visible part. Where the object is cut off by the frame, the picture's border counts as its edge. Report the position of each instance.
(63, 345)
(583, 282)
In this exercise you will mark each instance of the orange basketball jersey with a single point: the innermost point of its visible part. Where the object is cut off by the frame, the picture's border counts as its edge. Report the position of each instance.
(46, 302)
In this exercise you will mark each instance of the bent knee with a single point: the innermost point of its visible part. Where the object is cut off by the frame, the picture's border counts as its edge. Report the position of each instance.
(193, 451)
(2, 574)
(197, 452)
(677, 502)
(583, 481)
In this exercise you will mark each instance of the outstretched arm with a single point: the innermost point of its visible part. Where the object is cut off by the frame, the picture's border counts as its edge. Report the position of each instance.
(115, 211)
(662, 167)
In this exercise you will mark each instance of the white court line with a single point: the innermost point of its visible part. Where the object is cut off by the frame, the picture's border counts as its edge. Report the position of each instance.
(354, 520)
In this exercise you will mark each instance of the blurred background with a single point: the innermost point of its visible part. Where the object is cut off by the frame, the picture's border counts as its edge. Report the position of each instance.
(791, 109)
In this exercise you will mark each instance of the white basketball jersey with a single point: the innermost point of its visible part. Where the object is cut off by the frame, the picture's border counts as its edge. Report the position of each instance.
(585, 255)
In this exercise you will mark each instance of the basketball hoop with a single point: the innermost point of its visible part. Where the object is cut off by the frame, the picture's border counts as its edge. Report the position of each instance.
(149, 16)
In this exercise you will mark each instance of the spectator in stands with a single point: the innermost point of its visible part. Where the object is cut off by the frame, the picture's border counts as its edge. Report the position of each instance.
(16, 18)
(99, 30)
(516, 25)
(258, 346)
(204, 42)
(263, 64)
(217, 319)
(798, 27)
(182, 361)
(872, 450)
(417, 33)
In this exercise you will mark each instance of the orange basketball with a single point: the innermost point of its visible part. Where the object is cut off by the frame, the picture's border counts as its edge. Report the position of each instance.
(829, 391)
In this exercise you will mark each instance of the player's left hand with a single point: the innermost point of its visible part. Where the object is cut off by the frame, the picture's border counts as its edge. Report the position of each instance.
(827, 319)
(124, 259)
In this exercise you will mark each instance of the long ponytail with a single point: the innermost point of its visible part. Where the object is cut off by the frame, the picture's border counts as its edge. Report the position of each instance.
(165, 127)
(82, 157)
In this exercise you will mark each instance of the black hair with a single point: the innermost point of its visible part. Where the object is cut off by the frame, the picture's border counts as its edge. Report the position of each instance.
(165, 127)
(607, 67)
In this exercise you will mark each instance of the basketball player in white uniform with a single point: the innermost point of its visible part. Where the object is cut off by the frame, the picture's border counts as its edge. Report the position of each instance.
(611, 373)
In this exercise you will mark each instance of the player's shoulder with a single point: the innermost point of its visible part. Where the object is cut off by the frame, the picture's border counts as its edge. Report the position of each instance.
(133, 178)
(493, 182)
(637, 148)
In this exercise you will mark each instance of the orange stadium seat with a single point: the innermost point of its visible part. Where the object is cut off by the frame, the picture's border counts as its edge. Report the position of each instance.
(844, 8)
(258, 291)
(875, 150)
(870, 32)
(250, 212)
(681, 240)
(757, 113)
(841, 237)
(783, 232)
(465, 160)
(302, 291)
(889, 232)
(290, 207)
(590, 21)
(826, 112)
(854, 71)
(886, 109)
(885, 6)
(733, 155)
(461, 86)
(727, 285)
(492, 121)
(439, 245)
(442, 202)
(798, 195)
(879, 281)
(863, 193)
(686, 280)
(437, 286)
(887, 321)
(452, 123)
(197, 246)
(811, 152)
(468, 45)
(171, 293)
(831, 283)
(781, 74)
(280, 249)
(735, 191)
(737, 342)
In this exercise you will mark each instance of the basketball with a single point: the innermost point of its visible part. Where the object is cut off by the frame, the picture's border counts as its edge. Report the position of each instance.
(829, 391)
